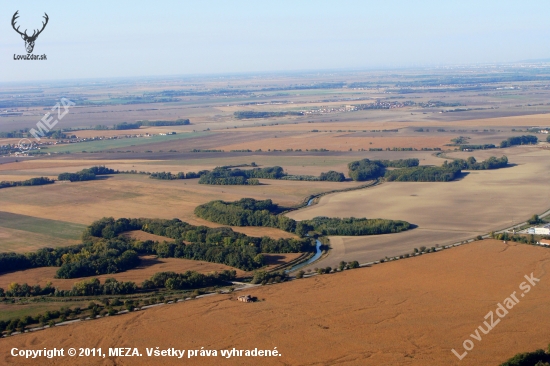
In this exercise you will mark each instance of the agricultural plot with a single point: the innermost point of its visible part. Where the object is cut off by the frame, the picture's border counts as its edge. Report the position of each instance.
(445, 212)
(22, 233)
(409, 312)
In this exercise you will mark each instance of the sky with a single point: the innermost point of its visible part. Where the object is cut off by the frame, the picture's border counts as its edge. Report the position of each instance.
(118, 38)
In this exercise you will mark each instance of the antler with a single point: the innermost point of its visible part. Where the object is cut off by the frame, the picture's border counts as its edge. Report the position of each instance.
(34, 35)
(15, 16)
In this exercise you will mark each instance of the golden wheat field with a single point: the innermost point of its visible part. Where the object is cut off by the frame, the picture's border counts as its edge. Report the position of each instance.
(409, 312)
(445, 212)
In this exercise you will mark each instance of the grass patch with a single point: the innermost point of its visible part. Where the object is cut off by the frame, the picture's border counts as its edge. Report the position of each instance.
(53, 228)
(102, 145)
(10, 311)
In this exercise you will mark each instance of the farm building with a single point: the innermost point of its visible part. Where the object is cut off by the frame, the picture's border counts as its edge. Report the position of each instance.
(545, 230)
(245, 298)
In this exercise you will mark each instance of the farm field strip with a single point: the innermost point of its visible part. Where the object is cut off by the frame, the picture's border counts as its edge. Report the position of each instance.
(374, 325)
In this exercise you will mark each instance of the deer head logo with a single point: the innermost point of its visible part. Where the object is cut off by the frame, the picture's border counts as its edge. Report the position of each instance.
(29, 40)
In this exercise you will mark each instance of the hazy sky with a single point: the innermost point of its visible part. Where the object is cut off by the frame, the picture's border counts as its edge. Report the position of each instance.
(87, 39)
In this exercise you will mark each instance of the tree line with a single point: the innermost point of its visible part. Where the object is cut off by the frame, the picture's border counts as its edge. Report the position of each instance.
(226, 176)
(82, 260)
(87, 174)
(355, 226)
(138, 124)
(219, 245)
(187, 280)
(472, 164)
(408, 170)
(477, 147)
(367, 169)
(94, 287)
(167, 176)
(423, 174)
(536, 358)
(105, 251)
(254, 114)
(29, 182)
(519, 140)
(245, 212)
(250, 212)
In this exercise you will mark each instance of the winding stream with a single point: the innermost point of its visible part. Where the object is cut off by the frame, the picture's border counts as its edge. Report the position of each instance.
(317, 255)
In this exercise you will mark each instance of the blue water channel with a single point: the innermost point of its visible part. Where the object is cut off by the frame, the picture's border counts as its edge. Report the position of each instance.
(317, 255)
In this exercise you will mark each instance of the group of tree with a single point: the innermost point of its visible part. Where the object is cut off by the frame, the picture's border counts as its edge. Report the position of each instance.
(167, 176)
(105, 251)
(219, 245)
(246, 212)
(354, 226)
(19, 324)
(250, 212)
(472, 164)
(519, 140)
(400, 163)
(87, 174)
(254, 114)
(535, 358)
(138, 124)
(24, 290)
(332, 176)
(423, 174)
(83, 260)
(477, 147)
(220, 176)
(188, 280)
(94, 287)
(264, 277)
(367, 169)
(29, 182)
(226, 176)
(178, 122)
(534, 220)
(408, 170)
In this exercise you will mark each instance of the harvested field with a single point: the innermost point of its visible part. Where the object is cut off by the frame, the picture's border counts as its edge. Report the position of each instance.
(525, 120)
(409, 312)
(339, 142)
(148, 267)
(444, 212)
(139, 196)
(116, 144)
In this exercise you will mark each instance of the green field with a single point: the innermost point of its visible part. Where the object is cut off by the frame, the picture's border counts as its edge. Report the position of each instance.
(103, 145)
(52, 228)
(11, 311)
